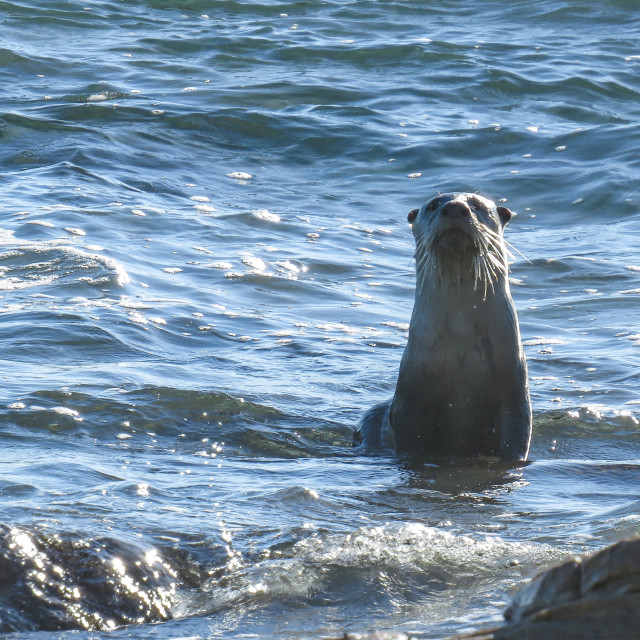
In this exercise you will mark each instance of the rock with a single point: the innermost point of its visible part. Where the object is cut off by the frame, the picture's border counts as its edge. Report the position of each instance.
(593, 598)
(57, 581)
(597, 598)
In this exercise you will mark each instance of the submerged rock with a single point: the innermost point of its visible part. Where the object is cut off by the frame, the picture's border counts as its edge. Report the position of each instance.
(597, 597)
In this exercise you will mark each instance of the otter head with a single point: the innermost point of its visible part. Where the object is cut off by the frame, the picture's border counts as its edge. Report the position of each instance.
(459, 239)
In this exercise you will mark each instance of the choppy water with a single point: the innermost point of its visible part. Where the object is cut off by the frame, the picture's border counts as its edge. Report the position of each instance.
(185, 351)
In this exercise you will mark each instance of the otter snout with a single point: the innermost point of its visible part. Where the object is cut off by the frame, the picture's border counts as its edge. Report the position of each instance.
(454, 222)
(454, 209)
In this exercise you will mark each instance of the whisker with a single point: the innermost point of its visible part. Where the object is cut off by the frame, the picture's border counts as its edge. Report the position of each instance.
(476, 268)
(509, 246)
(488, 265)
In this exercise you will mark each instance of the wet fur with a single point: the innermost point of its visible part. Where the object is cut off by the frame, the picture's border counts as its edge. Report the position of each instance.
(462, 386)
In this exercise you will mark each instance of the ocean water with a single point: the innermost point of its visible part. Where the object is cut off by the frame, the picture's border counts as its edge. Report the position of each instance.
(206, 277)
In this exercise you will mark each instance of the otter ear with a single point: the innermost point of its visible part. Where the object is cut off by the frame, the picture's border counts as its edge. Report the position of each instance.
(505, 214)
(413, 214)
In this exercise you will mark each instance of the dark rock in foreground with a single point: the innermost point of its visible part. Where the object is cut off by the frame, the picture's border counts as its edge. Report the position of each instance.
(597, 598)
(52, 582)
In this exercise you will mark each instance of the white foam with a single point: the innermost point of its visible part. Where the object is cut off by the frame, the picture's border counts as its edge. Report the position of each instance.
(240, 175)
(265, 214)
(539, 340)
(254, 263)
(415, 546)
(409, 548)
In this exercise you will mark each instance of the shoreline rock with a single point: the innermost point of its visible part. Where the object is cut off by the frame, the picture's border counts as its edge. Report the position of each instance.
(596, 597)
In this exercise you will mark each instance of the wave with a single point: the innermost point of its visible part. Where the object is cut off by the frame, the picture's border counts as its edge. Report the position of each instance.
(38, 264)
(229, 423)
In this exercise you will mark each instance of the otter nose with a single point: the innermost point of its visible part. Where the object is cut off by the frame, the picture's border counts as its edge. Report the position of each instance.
(455, 209)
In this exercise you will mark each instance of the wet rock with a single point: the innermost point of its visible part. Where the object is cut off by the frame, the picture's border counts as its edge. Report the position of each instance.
(54, 581)
(597, 598)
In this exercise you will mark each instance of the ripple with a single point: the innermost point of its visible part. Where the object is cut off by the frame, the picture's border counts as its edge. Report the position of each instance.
(42, 264)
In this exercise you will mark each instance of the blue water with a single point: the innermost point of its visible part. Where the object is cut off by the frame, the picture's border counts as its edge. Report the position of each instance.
(206, 277)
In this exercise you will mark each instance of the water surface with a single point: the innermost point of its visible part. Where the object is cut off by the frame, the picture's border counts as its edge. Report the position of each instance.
(206, 278)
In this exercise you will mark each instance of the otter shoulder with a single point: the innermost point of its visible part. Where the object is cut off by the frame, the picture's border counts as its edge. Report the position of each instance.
(374, 430)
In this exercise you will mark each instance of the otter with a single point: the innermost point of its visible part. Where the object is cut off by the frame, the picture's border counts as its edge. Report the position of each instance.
(462, 388)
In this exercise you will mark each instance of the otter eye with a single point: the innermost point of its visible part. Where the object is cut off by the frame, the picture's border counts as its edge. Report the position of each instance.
(413, 214)
(475, 203)
(435, 203)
